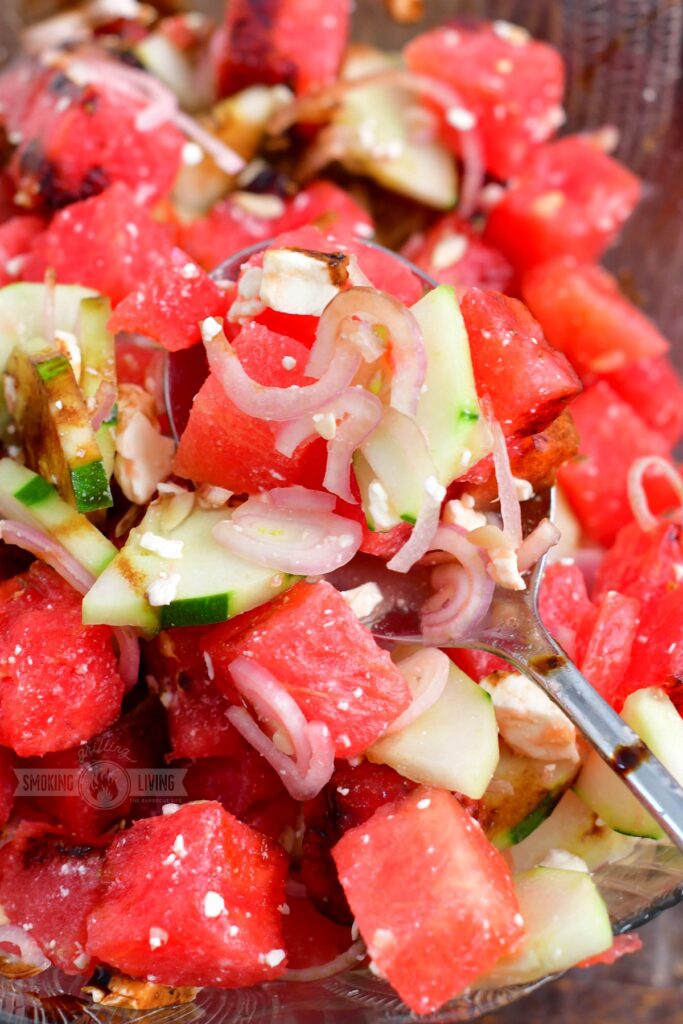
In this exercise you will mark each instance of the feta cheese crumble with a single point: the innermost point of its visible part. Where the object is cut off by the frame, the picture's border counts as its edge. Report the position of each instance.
(214, 904)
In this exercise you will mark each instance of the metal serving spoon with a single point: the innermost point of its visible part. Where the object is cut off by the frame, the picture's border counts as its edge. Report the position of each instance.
(512, 629)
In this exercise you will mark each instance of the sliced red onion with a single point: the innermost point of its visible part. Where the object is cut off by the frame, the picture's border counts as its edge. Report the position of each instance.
(270, 403)
(129, 655)
(422, 534)
(289, 540)
(310, 768)
(223, 156)
(290, 435)
(509, 502)
(30, 959)
(105, 400)
(426, 673)
(48, 550)
(346, 961)
(297, 497)
(536, 544)
(466, 590)
(379, 309)
(637, 495)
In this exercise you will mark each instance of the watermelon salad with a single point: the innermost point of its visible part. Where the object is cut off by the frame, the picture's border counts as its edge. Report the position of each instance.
(211, 773)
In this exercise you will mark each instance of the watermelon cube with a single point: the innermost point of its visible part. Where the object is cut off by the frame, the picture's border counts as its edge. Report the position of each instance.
(191, 898)
(169, 305)
(642, 564)
(453, 252)
(49, 884)
(526, 381)
(16, 237)
(312, 642)
(510, 84)
(431, 896)
(612, 437)
(607, 645)
(311, 939)
(570, 199)
(326, 206)
(224, 446)
(583, 314)
(296, 42)
(655, 390)
(59, 682)
(225, 230)
(108, 243)
(657, 653)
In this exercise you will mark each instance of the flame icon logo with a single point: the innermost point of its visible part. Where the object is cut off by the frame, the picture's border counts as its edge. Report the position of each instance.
(104, 785)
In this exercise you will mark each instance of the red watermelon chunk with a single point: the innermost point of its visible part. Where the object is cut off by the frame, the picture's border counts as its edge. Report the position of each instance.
(8, 783)
(247, 787)
(310, 938)
(432, 897)
(16, 237)
(612, 437)
(453, 253)
(311, 641)
(527, 382)
(78, 140)
(104, 769)
(584, 315)
(224, 446)
(59, 683)
(608, 643)
(170, 304)
(107, 243)
(49, 885)
(510, 83)
(326, 206)
(296, 42)
(191, 898)
(657, 654)
(225, 230)
(642, 564)
(570, 199)
(655, 390)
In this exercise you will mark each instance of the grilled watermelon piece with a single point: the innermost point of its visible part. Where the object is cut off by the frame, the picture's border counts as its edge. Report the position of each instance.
(527, 382)
(59, 683)
(210, 916)
(431, 896)
(336, 673)
(49, 884)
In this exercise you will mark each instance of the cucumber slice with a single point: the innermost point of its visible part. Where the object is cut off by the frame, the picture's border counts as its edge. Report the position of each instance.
(22, 313)
(34, 501)
(522, 794)
(573, 827)
(99, 366)
(54, 424)
(397, 455)
(652, 715)
(375, 121)
(448, 410)
(213, 584)
(566, 922)
(453, 745)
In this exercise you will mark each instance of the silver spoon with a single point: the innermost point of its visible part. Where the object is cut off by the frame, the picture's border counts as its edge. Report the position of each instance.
(512, 629)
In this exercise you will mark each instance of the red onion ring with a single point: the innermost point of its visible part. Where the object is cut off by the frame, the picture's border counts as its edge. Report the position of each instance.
(31, 959)
(50, 551)
(289, 540)
(426, 673)
(509, 502)
(346, 961)
(635, 483)
(406, 346)
(297, 497)
(305, 774)
(270, 403)
(536, 544)
(105, 401)
(422, 534)
(457, 608)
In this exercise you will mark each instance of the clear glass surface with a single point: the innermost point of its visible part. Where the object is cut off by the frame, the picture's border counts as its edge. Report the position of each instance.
(624, 61)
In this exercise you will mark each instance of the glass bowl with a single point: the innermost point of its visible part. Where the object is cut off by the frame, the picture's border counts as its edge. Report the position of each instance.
(624, 67)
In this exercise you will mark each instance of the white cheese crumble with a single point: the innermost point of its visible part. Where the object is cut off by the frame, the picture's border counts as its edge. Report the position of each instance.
(67, 343)
(565, 861)
(189, 271)
(458, 513)
(210, 328)
(523, 488)
(461, 119)
(363, 600)
(297, 282)
(514, 34)
(248, 302)
(144, 457)
(423, 804)
(448, 251)
(325, 424)
(273, 958)
(528, 720)
(178, 847)
(214, 904)
(157, 937)
(172, 549)
(503, 569)
(192, 154)
(288, 362)
(170, 808)
(266, 207)
(163, 589)
(379, 508)
(434, 489)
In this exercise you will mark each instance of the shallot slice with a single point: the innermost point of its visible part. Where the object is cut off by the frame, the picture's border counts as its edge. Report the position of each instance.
(466, 590)
(28, 962)
(346, 961)
(536, 544)
(426, 673)
(509, 502)
(271, 403)
(637, 495)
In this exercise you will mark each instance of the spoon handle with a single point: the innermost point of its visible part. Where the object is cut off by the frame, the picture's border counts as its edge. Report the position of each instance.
(611, 737)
